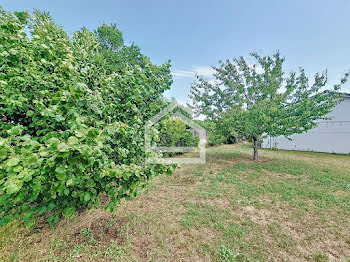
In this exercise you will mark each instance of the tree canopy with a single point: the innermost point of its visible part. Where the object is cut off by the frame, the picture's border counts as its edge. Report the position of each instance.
(261, 99)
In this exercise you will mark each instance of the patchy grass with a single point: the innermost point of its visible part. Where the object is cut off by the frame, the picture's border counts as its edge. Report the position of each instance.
(288, 206)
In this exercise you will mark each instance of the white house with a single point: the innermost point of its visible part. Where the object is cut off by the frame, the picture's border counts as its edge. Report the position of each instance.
(331, 136)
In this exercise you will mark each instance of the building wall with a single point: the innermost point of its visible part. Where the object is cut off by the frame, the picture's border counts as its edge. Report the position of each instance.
(331, 136)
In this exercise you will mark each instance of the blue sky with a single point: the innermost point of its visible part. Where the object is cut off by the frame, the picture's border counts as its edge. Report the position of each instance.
(313, 34)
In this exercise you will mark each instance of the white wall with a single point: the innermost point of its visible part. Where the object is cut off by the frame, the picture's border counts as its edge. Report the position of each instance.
(332, 136)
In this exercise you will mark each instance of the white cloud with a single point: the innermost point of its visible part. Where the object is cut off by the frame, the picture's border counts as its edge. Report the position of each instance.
(183, 73)
(206, 71)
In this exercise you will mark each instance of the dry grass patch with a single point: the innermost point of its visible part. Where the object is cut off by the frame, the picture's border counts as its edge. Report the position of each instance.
(288, 206)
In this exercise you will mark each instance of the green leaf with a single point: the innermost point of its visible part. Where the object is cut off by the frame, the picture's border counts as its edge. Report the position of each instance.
(60, 176)
(62, 147)
(42, 209)
(33, 159)
(29, 215)
(4, 53)
(12, 187)
(13, 162)
(80, 133)
(81, 102)
(53, 141)
(68, 211)
(73, 140)
(69, 182)
(59, 118)
(30, 113)
(3, 153)
(87, 197)
(60, 169)
(72, 160)
(17, 169)
(50, 207)
(92, 133)
(30, 224)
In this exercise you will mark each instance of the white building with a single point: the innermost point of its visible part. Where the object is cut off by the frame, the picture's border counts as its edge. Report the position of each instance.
(331, 136)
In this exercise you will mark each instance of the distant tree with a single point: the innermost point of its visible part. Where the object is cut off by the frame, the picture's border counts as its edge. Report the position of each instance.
(257, 99)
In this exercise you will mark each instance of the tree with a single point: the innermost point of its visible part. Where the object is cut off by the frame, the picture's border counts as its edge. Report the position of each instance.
(115, 51)
(124, 62)
(258, 99)
(71, 127)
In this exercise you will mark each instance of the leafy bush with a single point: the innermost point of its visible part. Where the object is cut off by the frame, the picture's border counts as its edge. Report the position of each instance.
(174, 133)
(71, 125)
(215, 134)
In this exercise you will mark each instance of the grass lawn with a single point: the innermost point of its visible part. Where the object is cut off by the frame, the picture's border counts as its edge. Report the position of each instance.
(288, 206)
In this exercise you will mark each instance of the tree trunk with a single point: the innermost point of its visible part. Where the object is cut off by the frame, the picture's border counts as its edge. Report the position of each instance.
(255, 148)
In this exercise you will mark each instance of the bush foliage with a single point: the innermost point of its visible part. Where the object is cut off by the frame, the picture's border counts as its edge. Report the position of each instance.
(216, 135)
(72, 115)
(174, 133)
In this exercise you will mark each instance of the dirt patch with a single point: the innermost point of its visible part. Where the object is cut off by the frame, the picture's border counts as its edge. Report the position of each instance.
(99, 228)
(259, 216)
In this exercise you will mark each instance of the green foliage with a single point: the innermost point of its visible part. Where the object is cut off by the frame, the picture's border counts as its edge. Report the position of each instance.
(256, 100)
(174, 133)
(216, 134)
(115, 51)
(220, 132)
(71, 125)
(226, 254)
